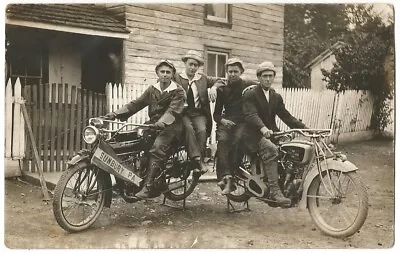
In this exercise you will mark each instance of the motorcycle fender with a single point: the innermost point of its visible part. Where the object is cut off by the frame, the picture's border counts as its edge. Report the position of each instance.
(108, 186)
(81, 156)
(344, 166)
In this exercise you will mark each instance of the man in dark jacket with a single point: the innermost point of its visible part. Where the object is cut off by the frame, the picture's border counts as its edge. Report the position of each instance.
(197, 121)
(261, 105)
(230, 124)
(165, 100)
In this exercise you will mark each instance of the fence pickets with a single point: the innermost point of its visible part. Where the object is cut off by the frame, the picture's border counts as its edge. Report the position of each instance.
(59, 112)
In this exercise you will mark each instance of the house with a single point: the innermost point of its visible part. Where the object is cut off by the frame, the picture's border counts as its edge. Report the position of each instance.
(88, 45)
(325, 60)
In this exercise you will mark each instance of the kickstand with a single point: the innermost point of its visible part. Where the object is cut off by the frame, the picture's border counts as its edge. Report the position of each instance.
(183, 207)
(244, 206)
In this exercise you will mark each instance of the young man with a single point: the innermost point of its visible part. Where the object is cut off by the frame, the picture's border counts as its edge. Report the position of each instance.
(197, 119)
(230, 125)
(261, 105)
(165, 100)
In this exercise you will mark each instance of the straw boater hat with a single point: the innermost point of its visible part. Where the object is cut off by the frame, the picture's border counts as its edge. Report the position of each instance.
(266, 66)
(167, 63)
(232, 61)
(194, 55)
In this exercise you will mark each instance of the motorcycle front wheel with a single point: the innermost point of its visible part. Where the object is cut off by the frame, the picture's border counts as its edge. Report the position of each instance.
(338, 202)
(79, 197)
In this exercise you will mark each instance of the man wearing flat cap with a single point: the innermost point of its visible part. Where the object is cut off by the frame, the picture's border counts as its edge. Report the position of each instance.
(260, 106)
(165, 100)
(230, 124)
(196, 118)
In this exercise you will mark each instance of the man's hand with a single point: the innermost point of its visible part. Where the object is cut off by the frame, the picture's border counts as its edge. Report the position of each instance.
(227, 123)
(110, 116)
(212, 94)
(159, 125)
(266, 132)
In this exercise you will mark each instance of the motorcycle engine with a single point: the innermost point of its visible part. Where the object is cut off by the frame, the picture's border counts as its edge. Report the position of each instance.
(298, 151)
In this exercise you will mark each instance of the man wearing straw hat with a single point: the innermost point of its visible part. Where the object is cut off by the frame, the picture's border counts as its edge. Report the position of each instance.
(196, 118)
(165, 100)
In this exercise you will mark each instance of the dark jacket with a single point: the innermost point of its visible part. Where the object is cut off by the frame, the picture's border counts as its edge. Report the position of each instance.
(229, 99)
(202, 83)
(259, 112)
(161, 104)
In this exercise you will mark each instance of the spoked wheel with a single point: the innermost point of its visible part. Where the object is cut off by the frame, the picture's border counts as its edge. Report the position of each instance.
(182, 183)
(338, 203)
(79, 197)
(241, 194)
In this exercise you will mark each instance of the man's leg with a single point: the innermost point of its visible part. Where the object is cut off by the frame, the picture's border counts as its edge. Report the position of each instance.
(192, 143)
(199, 123)
(224, 167)
(158, 153)
(269, 155)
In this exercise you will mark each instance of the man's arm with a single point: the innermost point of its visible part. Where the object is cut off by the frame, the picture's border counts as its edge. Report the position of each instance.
(134, 106)
(286, 117)
(250, 110)
(219, 104)
(175, 106)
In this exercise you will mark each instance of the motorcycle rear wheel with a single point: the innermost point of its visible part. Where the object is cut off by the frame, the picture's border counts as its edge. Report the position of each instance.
(79, 197)
(340, 210)
(183, 185)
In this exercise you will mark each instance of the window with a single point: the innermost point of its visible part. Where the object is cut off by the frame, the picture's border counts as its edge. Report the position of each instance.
(29, 64)
(218, 15)
(215, 62)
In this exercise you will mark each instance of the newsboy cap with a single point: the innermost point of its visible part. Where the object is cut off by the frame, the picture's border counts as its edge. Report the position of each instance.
(266, 66)
(234, 60)
(167, 63)
(194, 55)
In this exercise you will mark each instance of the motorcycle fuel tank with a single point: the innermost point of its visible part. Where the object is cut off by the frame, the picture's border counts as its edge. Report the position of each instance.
(299, 151)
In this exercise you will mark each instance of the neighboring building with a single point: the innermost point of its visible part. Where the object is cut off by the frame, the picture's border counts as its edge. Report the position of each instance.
(63, 43)
(88, 45)
(325, 60)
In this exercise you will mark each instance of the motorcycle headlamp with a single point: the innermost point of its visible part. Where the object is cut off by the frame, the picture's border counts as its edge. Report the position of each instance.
(90, 134)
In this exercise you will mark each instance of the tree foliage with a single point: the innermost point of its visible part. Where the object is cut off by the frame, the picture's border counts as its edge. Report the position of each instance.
(365, 62)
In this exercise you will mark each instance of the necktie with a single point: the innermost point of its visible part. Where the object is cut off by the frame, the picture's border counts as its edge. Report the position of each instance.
(190, 97)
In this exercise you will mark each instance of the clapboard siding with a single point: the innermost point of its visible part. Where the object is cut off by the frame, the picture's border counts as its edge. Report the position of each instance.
(168, 31)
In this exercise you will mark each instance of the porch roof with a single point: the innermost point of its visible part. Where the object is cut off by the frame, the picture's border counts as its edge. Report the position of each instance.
(75, 18)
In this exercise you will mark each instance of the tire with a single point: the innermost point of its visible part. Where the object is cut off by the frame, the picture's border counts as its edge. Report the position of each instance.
(74, 209)
(241, 194)
(348, 205)
(186, 181)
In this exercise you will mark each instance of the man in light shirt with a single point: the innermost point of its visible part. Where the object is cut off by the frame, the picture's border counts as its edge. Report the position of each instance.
(260, 106)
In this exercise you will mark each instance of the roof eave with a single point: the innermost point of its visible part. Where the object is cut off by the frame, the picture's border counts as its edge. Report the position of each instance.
(67, 29)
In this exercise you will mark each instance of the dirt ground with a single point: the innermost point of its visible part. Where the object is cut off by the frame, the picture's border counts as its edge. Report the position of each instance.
(30, 224)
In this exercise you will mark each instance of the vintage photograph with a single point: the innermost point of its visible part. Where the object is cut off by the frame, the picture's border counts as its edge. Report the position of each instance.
(199, 125)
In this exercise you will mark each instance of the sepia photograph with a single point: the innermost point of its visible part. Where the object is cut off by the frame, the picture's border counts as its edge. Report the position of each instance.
(190, 125)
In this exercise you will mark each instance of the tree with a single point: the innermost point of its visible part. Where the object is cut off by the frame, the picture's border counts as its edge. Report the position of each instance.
(366, 62)
(308, 30)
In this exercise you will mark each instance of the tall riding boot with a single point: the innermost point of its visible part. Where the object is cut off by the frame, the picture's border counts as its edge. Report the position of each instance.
(275, 192)
(229, 185)
(148, 188)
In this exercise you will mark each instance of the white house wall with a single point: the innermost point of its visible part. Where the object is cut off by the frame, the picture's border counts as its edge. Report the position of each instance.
(317, 82)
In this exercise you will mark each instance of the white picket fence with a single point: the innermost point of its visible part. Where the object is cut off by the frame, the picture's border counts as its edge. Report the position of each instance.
(14, 122)
(348, 112)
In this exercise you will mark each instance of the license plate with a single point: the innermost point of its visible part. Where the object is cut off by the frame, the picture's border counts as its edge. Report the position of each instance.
(111, 165)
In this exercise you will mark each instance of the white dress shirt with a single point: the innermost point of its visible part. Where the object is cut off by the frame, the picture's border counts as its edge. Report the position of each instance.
(194, 88)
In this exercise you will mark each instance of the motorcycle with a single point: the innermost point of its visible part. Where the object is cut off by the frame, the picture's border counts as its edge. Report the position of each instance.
(313, 177)
(86, 187)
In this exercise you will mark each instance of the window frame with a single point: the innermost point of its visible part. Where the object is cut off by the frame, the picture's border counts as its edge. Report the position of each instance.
(216, 21)
(216, 51)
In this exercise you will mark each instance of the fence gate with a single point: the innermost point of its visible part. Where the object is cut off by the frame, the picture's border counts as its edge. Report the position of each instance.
(58, 113)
